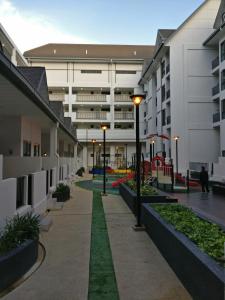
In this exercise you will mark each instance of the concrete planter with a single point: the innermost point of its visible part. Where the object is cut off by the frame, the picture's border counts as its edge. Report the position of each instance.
(201, 275)
(17, 262)
(129, 197)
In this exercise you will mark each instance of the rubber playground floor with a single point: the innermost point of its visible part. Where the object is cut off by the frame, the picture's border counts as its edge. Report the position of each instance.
(97, 183)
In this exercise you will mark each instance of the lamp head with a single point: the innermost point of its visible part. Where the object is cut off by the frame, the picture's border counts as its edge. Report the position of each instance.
(176, 138)
(93, 141)
(137, 99)
(104, 127)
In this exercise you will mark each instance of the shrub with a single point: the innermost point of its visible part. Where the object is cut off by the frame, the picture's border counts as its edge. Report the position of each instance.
(18, 230)
(208, 236)
(146, 190)
(62, 188)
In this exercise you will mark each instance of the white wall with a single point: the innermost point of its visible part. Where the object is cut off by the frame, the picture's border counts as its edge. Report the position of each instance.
(7, 199)
(39, 192)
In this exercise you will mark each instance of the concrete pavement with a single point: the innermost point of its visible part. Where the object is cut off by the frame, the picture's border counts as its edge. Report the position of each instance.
(141, 271)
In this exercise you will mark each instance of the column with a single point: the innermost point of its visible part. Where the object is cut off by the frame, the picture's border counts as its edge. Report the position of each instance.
(112, 107)
(112, 156)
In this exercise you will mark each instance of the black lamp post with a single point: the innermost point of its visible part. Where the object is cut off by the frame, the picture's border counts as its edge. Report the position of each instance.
(176, 138)
(153, 149)
(100, 145)
(93, 145)
(137, 101)
(126, 157)
(104, 128)
(117, 157)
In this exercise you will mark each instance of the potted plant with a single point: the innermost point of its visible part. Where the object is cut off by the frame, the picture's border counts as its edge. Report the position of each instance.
(62, 193)
(18, 248)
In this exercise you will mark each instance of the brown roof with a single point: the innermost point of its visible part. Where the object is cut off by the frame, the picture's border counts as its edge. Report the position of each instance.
(91, 51)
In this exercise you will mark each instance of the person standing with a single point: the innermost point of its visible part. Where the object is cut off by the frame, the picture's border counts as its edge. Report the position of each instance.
(204, 180)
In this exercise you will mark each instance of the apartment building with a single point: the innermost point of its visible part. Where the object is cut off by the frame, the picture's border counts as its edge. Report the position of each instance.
(94, 83)
(216, 42)
(38, 145)
(179, 101)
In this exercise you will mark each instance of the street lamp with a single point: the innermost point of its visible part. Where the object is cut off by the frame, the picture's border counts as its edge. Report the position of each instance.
(117, 158)
(153, 149)
(93, 145)
(176, 138)
(99, 161)
(104, 128)
(137, 101)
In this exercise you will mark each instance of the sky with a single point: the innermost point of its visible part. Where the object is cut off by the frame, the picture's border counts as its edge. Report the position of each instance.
(33, 23)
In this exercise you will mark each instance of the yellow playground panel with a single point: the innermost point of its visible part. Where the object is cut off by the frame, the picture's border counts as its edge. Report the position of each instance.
(120, 171)
(162, 177)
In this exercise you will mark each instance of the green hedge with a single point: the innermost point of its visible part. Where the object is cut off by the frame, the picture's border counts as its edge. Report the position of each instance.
(209, 237)
(146, 190)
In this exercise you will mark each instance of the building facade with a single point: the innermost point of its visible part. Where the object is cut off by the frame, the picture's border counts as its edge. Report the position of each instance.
(94, 83)
(179, 102)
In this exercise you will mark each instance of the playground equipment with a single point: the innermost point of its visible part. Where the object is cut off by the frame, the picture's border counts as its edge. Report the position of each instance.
(122, 180)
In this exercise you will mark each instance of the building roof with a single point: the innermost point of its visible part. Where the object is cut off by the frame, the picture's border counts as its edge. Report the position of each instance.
(37, 78)
(91, 51)
(220, 15)
(165, 33)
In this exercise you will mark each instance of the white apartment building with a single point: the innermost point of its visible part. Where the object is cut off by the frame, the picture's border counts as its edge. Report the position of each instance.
(216, 42)
(94, 83)
(179, 101)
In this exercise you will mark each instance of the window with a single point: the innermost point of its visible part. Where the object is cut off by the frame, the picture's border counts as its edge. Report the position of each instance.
(125, 72)
(73, 108)
(117, 126)
(91, 71)
(163, 69)
(156, 101)
(36, 150)
(222, 50)
(26, 148)
(163, 93)
(163, 117)
(223, 79)
(66, 107)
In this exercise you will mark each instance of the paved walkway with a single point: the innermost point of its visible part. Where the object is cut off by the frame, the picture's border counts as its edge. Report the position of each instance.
(211, 205)
(141, 271)
(64, 273)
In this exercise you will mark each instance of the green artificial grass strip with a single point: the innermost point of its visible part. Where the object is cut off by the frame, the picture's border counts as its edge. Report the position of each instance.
(102, 280)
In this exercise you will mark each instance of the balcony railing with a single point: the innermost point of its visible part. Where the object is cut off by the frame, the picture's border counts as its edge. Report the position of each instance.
(215, 63)
(122, 98)
(168, 120)
(167, 69)
(92, 115)
(168, 94)
(57, 97)
(216, 90)
(216, 117)
(124, 115)
(91, 98)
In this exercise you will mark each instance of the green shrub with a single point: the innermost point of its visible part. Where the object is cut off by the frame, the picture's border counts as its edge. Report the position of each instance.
(146, 190)
(18, 230)
(208, 236)
(62, 188)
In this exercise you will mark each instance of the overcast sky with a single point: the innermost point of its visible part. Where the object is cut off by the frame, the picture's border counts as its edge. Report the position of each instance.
(34, 23)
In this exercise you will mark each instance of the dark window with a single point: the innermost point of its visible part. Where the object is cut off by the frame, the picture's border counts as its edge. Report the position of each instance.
(91, 71)
(66, 107)
(36, 150)
(163, 93)
(222, 49)
(163, 117)
(223, 80)
(26, 148)
(163, 69)
(156, 101)
(125, 72)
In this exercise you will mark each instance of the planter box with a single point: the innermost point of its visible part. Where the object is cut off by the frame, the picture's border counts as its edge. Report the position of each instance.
(199, 273)
(129, 197)
(17, 262)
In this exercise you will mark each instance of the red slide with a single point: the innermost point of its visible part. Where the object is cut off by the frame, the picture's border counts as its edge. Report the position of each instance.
(122, 180)
(182, 180)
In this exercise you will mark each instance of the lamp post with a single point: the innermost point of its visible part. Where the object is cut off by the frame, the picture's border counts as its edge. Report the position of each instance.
(176, 138)
(126, 158)
(100, 154)
(153, 149)
(104, 128)
(137, 101)
(117, 158)
(93, 145)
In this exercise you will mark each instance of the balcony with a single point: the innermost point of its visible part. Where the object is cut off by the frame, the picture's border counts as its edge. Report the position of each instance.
(215, 63)
(57, 97)
(124, 115)
(168, 120)
(91, 98)
(168, 94)
(122, 98)
(91, 115)
(167, 68)
(216, 117)
(216, 90)
(111, 134)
